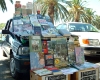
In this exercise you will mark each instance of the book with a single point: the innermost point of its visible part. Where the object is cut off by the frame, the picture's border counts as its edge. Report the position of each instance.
(85, 65)
(26, 19)
(69, 70)
(42, 21)
(37, 30)
(42, 72)
(51, 68)
(60, 52)
(36, 60)
(64, 32)
(47, 34)
(49, 59)
(79, 54)
(35, 44)
(56, 72)
(34, 20)
(71, 54)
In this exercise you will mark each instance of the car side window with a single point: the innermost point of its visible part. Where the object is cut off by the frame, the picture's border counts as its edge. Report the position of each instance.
(11, 27)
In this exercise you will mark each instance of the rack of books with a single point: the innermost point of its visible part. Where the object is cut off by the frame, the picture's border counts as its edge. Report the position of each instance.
(54, 54)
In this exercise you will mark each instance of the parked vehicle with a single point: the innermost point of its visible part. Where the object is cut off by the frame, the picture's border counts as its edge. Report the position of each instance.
(88, 36)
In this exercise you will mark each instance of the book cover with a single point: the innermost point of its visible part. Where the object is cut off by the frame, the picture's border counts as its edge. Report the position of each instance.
(51, 68)
(56, 72)
(37, 30)
(60, 46)
(35, 44)
(79, 54)
(64, 32)
(60, 52)
(36, 60)
(69, 70)
(47, 34)
(42, 72)
(34, 20)
(71, 54)
(49, 59)
(26, 19)
(50, 47)
(42, 21)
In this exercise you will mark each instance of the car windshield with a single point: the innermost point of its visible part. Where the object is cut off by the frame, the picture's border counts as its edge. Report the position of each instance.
(80, 27)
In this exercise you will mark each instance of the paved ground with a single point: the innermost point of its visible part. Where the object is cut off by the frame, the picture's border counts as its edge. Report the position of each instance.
(4, 69)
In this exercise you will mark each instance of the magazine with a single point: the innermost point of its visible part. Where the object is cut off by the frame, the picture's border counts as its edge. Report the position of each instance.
(79, 54)
(60, 46)
(26, 19)
(71, 54)
(60, 52)
(42, 21)
(85, 65)
(37, 30)
(49, 59)
(35, 44)
(42, 72)
(64, 32)
(36, 60)
(34, 20)
(67, 71)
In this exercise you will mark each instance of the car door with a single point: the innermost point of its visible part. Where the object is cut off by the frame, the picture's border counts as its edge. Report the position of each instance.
(6, 40)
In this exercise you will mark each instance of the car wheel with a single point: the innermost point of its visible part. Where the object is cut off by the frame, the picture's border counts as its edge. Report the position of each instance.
(13, 71)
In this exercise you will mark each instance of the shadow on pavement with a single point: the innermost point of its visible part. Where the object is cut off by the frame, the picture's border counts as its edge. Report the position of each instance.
(5, 71)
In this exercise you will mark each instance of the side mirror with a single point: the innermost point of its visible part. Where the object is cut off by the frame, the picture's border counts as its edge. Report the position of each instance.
(5, 32)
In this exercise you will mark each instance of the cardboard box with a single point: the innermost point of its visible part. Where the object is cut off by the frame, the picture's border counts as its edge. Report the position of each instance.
(34, 76)
(87, 74)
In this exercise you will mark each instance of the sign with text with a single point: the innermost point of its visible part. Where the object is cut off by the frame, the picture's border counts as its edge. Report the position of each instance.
(91, 74)
(57, 77)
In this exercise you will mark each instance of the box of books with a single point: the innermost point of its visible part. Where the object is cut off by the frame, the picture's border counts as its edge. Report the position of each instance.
(86, 74)
(34, 76)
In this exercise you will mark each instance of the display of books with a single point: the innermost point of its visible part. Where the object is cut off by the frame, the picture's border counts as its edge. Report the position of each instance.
(35, 44)
(42, 72)
(79, 54)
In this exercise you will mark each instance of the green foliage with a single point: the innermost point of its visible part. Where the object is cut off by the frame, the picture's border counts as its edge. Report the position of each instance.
(2, 25)
(3, 4)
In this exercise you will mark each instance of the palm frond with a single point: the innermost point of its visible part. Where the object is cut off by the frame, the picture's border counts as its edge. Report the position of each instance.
(3, 5)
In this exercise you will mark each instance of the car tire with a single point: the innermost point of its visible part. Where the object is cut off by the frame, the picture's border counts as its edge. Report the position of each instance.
(13, 71)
